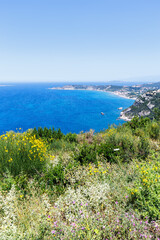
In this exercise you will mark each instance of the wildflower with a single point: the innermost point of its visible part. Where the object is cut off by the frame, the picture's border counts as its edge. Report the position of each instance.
(10, 160)
(53, 231)
(74, 202)
(116, 202)
(83, 228)
(96, 231)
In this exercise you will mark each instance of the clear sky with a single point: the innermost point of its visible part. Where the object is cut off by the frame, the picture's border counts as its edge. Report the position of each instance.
(79, 40)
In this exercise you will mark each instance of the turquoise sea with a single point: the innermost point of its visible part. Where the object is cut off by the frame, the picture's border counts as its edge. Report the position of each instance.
(33, 105)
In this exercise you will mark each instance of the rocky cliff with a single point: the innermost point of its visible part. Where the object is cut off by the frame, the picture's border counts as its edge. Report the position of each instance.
(144, 106)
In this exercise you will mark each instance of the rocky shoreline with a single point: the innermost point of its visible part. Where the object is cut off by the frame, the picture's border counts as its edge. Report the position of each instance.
(124, 117)
(143, 106)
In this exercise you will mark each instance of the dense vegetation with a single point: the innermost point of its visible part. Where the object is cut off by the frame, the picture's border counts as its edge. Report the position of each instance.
(81, 186)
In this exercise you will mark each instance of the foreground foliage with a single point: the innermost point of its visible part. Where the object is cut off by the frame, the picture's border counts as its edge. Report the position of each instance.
(86, 186)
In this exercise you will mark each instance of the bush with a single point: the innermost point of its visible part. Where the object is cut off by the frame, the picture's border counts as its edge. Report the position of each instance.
(109, 151)
(71, 137)
(154, 130)
(52, 179)
(86, 154)
(126, 142)
(145, 194)
(47, 134)
(131, 144)
(137, 122)
(21, 152)
(143, 147)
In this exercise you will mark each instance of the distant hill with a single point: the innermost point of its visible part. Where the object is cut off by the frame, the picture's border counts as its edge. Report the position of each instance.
(152, 85)
(144, 105)
(126, 90)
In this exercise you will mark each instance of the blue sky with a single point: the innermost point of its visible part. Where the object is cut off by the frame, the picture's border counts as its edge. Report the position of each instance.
(79, 40)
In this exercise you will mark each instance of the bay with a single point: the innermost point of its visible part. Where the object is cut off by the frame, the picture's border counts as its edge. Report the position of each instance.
(35, 105)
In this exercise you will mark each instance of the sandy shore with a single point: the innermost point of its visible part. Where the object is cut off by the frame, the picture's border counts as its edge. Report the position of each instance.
(122, 95)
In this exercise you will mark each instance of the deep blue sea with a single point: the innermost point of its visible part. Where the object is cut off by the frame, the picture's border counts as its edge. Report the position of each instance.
(33, 105)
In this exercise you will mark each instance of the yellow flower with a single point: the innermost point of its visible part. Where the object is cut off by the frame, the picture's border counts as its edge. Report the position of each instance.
(96, 231)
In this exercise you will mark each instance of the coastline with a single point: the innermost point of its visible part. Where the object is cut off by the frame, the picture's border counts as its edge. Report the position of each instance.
(92, 89)
(121, 95)
(123, 117)
(117, 93)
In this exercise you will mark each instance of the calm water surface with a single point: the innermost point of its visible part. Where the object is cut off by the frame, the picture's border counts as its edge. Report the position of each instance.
(33, 105)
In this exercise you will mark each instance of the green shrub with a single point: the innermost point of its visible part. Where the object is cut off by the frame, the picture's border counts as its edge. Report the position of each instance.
(131, 144)
(137, 122)
(145, 195)
(6, 182)
(21, 152)
(139, 132)
(127, 143)
(154, 130)
(53, 179)
(47, 134)
(156, 112)
(86, 154)
(71, 137)
(143, 147)
(109, 151)
(56, 145)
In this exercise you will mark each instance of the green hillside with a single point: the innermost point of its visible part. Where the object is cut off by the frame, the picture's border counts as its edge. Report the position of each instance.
(81, 186)
(146, 105)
